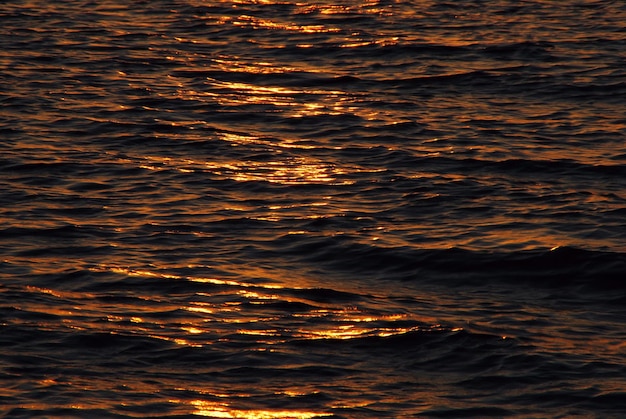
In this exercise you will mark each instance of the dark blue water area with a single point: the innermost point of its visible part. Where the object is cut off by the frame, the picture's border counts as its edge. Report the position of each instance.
(296, 210)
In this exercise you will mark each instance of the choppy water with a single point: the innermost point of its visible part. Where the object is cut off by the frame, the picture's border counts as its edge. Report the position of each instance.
(277, 209)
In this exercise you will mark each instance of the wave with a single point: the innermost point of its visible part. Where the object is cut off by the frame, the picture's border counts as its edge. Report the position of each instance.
(535, 51)
(558, 267)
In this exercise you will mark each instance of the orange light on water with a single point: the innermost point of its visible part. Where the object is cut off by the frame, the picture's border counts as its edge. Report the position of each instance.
(223, 410)
(260, 23)
(148, 273)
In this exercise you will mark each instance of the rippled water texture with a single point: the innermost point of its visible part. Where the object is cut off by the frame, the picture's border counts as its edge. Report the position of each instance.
(276, 209)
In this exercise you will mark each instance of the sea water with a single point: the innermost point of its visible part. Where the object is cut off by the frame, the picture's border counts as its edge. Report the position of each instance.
(293, 209)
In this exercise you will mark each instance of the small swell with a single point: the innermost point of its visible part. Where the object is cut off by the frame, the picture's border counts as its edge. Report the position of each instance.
(563, 266)
(521, 51)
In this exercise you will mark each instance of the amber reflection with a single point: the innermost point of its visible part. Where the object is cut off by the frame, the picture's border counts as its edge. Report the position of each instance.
(227, 315)
(218, 315)
(258, 23)
(294, 103)
(221, 313)
(223, 410)
(285, 169)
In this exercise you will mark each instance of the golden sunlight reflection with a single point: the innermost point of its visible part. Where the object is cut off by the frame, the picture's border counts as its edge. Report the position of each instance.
(256, 94)
(289, 171)
(223, 410)
(284, 169)
(260, 23)
(288, 101)
(350, 331)
(247, 309)
(367, 7)
(237, 139)
(147, 273)
(237, 64)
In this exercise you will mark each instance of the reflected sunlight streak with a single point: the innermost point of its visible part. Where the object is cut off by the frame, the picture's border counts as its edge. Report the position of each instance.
(147, 273)
(222, 410)
(260, 23)
(236, 308)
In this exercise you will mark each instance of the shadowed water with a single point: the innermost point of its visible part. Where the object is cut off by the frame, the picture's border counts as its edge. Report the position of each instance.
(276, 209)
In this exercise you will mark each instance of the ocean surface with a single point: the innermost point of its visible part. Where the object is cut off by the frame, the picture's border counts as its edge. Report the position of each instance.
(294, 209)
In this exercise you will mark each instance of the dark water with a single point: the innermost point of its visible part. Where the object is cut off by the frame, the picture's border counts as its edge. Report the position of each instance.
(277, 209)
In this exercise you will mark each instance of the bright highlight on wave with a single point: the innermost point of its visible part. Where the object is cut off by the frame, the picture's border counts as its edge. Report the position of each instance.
(286, 170)
(260, 23)
(223, 410)
(260, 312)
